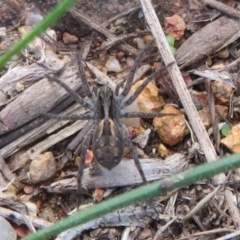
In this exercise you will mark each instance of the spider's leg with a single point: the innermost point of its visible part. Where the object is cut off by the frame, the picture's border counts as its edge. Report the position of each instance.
(80, 136)
(129, 81)
(72, 93)
(131, 99)
(74, 117)
(84, 147)
(83, 77)
(145, 115)
(132, 150)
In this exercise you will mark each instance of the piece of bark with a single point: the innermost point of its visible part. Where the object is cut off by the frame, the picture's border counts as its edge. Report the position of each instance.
(124, 174)
(30, 74)
(17, 133)
(39, 98)
(19, 219)
(44, 129)
(8, 174)
(208, 40)
(138, 215)
(224, 8)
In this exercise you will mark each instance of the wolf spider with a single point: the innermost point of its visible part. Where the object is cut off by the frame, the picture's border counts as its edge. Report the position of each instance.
(107, 133)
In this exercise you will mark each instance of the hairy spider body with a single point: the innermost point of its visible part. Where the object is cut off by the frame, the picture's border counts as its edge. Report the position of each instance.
(106, 133)
(107, 141)
(108, 144)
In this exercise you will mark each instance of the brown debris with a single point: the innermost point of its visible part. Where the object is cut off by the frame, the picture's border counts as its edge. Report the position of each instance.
(205, 115)
(222, 92)
(98, 194)
(175, 26)
(200, 99)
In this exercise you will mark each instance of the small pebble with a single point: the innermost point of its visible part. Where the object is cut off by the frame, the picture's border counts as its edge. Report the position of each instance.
(140, 43)
(42, 167)
(171, 129)
(142, 139)
(130, 61)
(32, 208)
(69, 39)
(113, 65)
(224, 53)
(149, 99)
(28, 189)
(120, 55)
(47, 214)
(148, 38)
(4, 45)
(162, 151)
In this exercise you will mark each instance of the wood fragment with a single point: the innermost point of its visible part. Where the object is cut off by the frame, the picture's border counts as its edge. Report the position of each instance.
(8, 174)
(207, 41)
(124, 174)
(43, 94)
(53, 139)
(223, 8)
(137, 215)
(11, 136)
(37, 133)
(19, 219)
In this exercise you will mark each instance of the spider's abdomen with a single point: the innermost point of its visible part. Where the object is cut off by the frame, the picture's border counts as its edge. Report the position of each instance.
(108, 144)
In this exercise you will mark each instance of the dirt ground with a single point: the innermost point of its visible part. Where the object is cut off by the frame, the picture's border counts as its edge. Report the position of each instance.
(40, 155)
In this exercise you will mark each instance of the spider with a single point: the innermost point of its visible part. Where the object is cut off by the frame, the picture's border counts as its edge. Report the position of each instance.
(106, 132)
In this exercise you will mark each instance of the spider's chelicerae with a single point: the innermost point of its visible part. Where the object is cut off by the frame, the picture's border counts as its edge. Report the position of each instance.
(107, 134)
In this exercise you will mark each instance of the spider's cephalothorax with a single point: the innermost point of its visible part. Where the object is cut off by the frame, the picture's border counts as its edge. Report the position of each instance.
(104, 128)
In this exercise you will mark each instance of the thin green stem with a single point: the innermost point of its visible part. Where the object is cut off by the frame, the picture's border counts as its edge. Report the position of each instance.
(48, 20)
(148, 191)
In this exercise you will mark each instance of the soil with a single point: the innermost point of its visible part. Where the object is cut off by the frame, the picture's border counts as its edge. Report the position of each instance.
(213, 219)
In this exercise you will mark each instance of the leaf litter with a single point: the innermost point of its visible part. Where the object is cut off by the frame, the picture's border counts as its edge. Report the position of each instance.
(26, 136)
